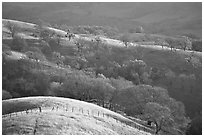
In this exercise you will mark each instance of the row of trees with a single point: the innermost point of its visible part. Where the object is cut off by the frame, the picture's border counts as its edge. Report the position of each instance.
(45, 34)
(184, 43)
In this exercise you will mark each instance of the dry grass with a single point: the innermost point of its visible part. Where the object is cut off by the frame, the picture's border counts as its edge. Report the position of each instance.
(62, 121)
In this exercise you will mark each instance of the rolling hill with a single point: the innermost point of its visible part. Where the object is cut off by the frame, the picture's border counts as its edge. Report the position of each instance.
(55, 115)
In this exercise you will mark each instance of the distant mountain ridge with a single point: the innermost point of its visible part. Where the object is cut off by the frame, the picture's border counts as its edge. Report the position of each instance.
(165, 18)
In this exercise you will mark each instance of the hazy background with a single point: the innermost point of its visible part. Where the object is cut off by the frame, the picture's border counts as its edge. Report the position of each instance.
(163, 18)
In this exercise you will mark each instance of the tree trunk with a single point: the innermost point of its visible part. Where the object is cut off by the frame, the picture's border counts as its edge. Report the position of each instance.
(12, 34)
(156, 132)
(158, 128)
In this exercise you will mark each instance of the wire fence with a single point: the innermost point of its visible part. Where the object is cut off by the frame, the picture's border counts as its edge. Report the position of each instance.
(79, 110)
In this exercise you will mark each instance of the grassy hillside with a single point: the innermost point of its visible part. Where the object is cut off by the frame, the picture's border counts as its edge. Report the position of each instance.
(61, 116)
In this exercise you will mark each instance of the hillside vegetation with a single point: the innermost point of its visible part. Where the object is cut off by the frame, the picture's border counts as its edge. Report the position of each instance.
(119, 74)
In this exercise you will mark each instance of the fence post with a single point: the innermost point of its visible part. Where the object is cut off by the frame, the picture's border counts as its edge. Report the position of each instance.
(72, 109)
(88, 112)
(82, 111)
(98, 113)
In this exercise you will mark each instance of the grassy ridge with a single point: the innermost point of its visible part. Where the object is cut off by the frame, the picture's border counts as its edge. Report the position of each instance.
(59, 121)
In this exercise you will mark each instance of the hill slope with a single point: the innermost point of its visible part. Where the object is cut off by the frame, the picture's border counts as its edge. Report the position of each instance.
(55, 115)
(109, 41)
(156, 56)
